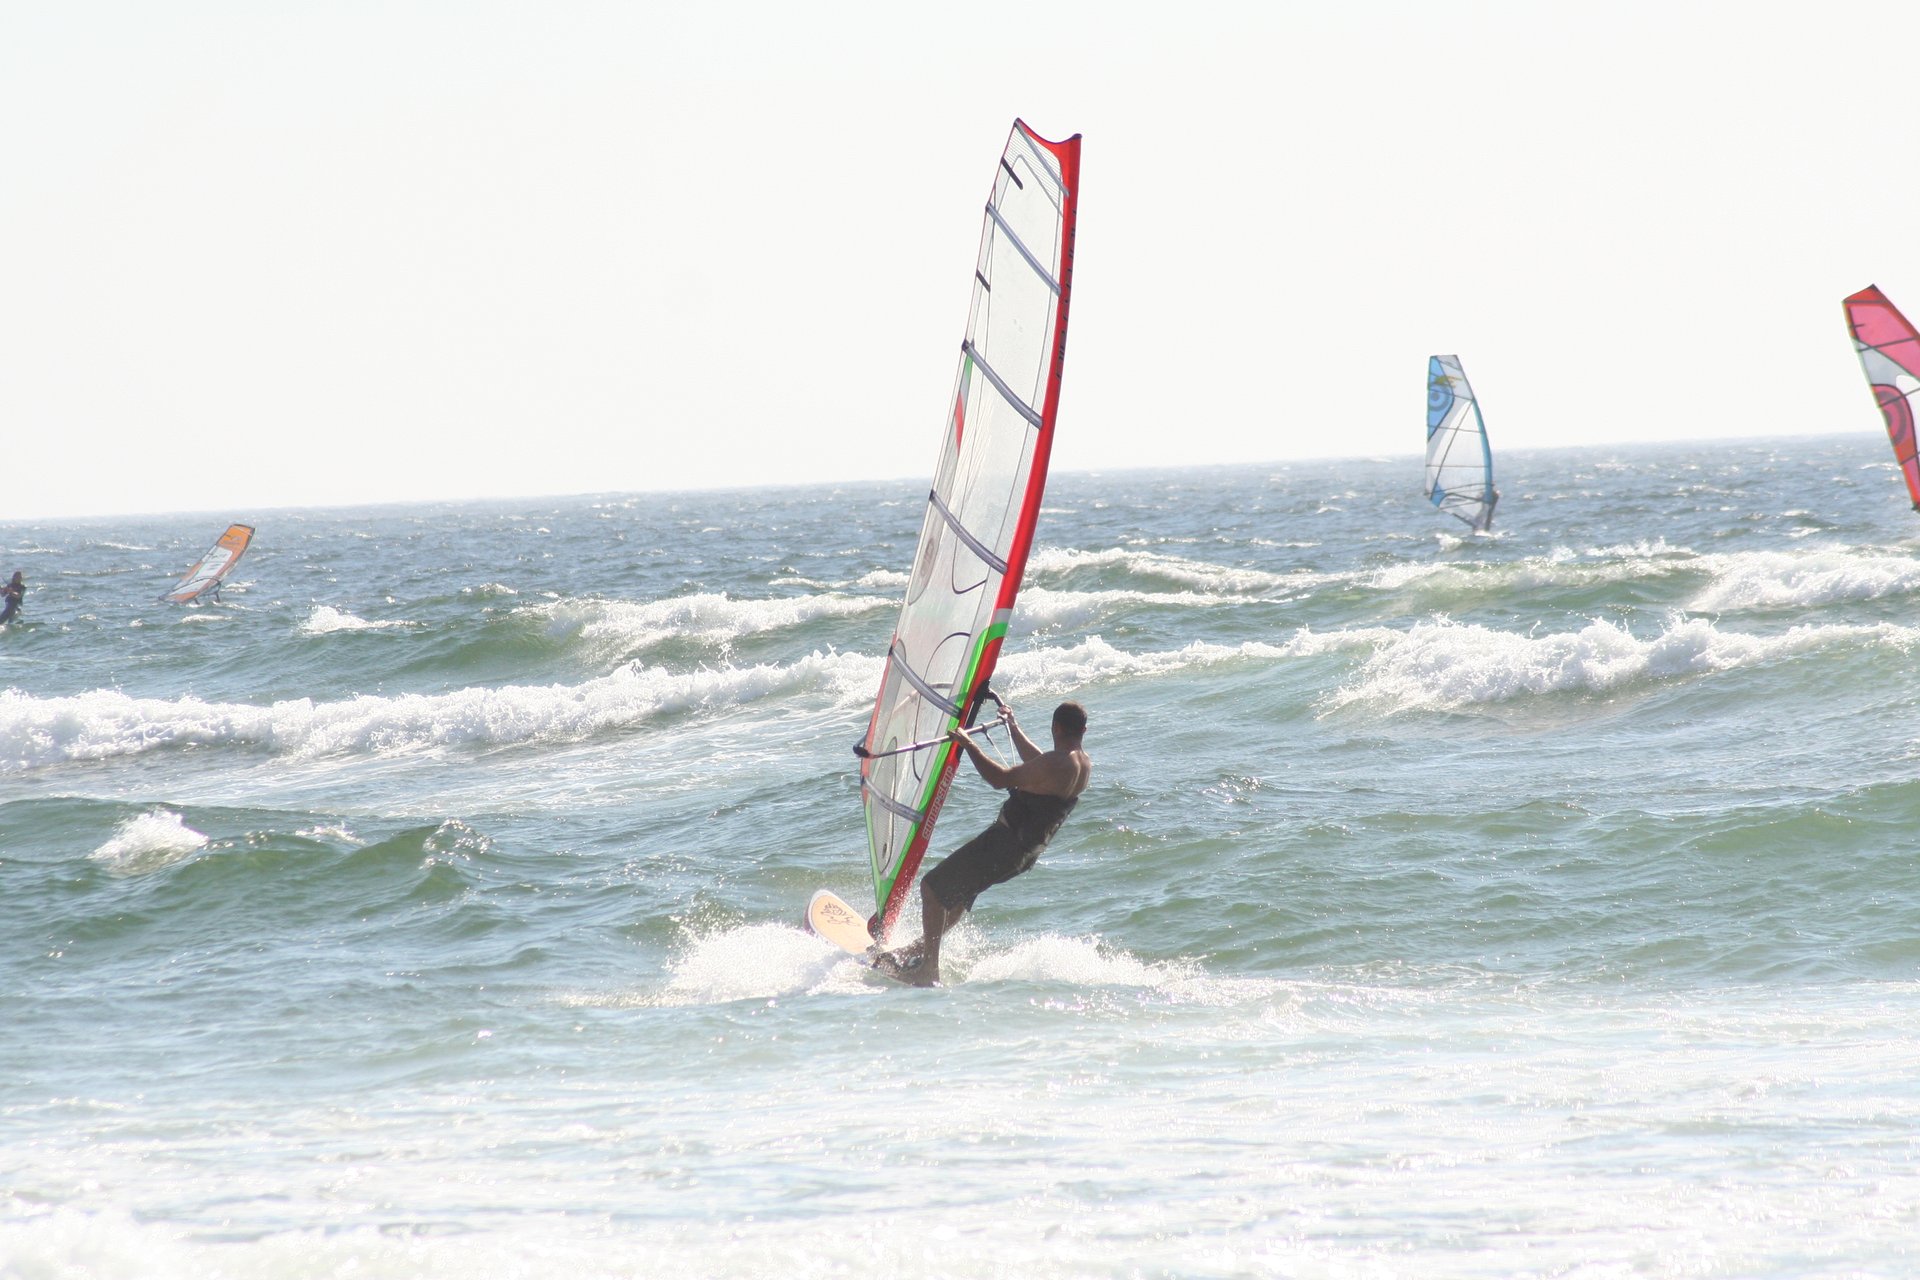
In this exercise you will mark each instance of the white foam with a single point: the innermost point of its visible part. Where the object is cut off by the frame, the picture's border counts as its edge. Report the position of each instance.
(767, 961)
(1040, 608)
(757, 962)
(621, 627)
(326, 619)
(106, 724)
(331, 831)
(1051, 670)
(1052, 958)
(1560, 568)
(1781, 580)
(1739, 580)
(148, 842)
(1199, 575)
(488, 591)
(1444, 665)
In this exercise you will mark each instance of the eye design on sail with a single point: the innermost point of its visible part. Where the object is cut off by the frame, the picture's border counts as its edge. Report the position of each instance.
(1899, 415)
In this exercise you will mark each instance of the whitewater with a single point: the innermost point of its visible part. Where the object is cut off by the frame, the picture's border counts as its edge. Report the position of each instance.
(1533, 904)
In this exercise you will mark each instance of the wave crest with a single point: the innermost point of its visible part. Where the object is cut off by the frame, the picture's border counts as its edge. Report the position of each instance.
(1445, 665)
(325, 619)
(106, 724)
(147, 842)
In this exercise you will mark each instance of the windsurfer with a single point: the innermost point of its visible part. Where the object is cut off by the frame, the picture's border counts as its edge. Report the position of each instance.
(1043, 789)
(13, 593)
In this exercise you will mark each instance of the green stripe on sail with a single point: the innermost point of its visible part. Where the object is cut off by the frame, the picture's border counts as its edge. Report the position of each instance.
(882, 889)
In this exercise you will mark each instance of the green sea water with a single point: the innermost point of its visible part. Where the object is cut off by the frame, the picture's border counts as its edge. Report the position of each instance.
(1536, 904)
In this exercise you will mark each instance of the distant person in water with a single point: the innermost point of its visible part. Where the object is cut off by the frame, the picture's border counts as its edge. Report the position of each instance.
(13, 594)
(1045, 785)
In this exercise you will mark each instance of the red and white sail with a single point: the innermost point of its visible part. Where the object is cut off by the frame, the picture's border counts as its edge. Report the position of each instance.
(981, 511)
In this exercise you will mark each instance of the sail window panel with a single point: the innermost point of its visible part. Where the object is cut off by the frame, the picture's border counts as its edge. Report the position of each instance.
(936, 639)
(950, 592)
(900, 778)
(990, 485)
(1012, 326)
(1029, 196)
(888, 834)
(1883, 371)
(927, 556)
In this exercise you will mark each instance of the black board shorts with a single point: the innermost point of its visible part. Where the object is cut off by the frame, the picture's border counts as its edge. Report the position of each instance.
(993, 857)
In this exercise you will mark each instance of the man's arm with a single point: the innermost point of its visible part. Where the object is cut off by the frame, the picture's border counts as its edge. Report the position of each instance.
(1042, 774)
(1021, 742)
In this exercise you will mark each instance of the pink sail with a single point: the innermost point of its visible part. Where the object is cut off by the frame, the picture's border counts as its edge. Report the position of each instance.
(1889, 351)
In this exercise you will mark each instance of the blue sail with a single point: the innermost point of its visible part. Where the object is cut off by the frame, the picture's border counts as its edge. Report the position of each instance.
(1459, 462)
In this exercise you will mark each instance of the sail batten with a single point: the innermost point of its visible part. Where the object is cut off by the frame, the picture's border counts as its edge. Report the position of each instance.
(960, 531)
(891, 805)
(978, 523)
(1459, 460)
(1046, 276)
(1889, 351)
(1012, 397)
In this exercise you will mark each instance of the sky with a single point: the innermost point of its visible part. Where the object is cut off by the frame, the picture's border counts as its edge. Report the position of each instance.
(263, 254)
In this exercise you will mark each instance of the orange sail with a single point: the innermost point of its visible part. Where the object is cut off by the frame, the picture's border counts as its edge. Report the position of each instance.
(210, 568)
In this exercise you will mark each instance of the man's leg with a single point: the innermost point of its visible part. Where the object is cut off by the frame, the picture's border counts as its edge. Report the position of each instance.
(935, 920)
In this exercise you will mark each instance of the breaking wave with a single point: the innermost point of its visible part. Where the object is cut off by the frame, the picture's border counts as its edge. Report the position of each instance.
(325, 619)
(147, 842)
(105, 724)
(1444, 665)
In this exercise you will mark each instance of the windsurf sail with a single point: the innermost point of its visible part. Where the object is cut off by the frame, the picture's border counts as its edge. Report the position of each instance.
(981, 511)
(1459, 463)
(1889, 351)
(210, 568)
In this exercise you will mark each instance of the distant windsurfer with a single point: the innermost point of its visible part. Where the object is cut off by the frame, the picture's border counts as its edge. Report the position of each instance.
(1044, 787)
(13, 593)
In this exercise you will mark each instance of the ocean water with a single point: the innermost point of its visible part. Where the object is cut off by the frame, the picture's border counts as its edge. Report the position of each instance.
(1542, 904)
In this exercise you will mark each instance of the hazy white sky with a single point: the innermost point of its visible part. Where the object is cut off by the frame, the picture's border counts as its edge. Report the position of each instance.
(259, 254)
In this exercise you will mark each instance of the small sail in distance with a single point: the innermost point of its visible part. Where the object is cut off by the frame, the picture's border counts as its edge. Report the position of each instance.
(212, 567)
(1459, 463)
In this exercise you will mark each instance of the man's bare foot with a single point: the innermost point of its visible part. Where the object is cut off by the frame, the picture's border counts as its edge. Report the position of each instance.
(907, 965)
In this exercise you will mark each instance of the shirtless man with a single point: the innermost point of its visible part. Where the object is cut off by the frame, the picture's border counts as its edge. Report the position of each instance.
(1045, 786)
